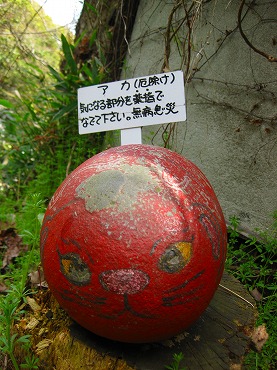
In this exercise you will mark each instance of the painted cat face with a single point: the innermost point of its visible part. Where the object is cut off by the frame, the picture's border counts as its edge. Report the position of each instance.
(133, 244)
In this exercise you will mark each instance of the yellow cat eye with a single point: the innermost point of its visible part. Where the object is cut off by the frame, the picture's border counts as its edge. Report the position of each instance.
(175, 257)
(75, 269)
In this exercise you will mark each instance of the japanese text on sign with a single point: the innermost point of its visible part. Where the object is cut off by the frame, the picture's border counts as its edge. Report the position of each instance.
(132, 103)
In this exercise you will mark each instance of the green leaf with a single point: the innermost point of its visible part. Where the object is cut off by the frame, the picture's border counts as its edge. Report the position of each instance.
(6, 104)
(36, 68)
(3, 341)
(23, 339)
(12, 339)
(68, 55)
(80, 38)
(92, 38)
(55, 74)
(39, 75)
(87, 71)
(89, 6)
(32, 111)
(95, 76)
(40, 217)
(65, 110)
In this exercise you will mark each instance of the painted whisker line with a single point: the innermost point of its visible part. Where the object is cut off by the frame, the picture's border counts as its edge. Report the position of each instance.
(85, 301)
(185, 294)
(135, 313)
(182, 298)
(185, 283)
(171, 304)
(236, 294)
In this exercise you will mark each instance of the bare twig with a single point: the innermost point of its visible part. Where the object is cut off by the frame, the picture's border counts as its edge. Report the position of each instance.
(248, 114)
(236, 294)
(125, 28)
(70, 159)
(269, 57)
(165, 66)
(189, 45)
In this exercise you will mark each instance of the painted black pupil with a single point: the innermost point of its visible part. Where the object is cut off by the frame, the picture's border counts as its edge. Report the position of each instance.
(171, 261)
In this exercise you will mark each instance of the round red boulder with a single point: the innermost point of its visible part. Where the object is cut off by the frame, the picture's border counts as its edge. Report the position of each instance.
(133, 243)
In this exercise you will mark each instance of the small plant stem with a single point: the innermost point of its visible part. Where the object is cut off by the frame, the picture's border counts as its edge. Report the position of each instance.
(14, 361)
(10, 344)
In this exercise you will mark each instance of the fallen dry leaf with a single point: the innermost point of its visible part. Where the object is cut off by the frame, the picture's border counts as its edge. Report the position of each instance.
(43, 344)
(12, 242)
(3, 288)
(259, 337)
(37, 278)
(33, 304)
(32, 323)
(235, 367)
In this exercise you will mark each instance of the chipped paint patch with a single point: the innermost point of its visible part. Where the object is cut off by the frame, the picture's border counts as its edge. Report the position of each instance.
(117, 188)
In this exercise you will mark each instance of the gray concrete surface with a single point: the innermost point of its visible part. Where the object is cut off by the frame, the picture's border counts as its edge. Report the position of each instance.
(231, 93)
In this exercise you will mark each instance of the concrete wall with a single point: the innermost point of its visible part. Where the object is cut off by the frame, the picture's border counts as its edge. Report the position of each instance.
(231, 91)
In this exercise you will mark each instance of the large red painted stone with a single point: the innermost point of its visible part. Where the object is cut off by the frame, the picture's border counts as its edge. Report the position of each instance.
(133, 243)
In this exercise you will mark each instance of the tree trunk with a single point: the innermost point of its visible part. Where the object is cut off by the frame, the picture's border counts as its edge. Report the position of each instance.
(112, 23)
(218, 340)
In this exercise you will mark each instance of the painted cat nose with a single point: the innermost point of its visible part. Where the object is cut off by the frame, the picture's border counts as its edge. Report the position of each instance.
(124, 281)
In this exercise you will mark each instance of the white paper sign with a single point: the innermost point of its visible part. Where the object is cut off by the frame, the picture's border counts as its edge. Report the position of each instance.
(136, 102)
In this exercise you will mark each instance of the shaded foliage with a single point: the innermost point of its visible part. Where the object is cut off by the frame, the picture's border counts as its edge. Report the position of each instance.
(41, 141)
(105, 28)
(29, 40)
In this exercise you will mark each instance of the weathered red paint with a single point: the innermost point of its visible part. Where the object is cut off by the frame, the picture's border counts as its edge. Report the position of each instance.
(133, 243)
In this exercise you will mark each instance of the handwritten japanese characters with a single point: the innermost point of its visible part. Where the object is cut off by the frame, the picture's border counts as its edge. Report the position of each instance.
(130, 103)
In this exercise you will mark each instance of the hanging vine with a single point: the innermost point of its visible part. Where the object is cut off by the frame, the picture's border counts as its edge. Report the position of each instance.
(269, 57)
(182, 22)
(181, 15)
